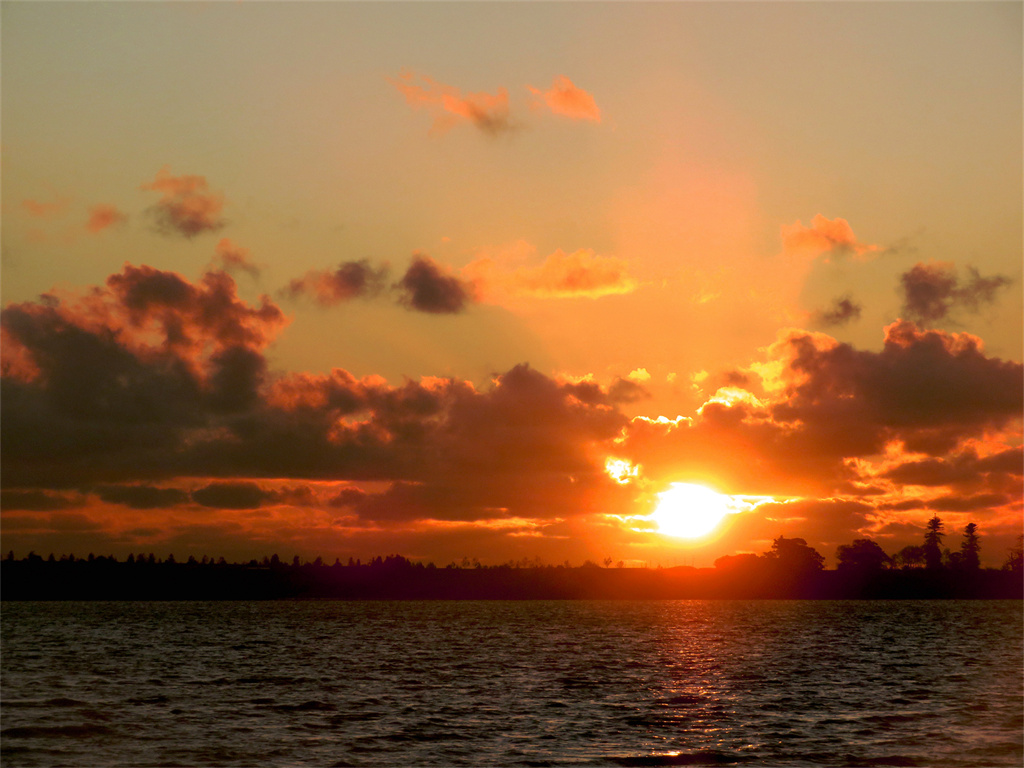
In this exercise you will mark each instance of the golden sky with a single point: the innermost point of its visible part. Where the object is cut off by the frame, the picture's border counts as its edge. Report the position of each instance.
(487, 279)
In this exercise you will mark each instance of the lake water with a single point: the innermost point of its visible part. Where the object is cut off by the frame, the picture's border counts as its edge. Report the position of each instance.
(512, 683)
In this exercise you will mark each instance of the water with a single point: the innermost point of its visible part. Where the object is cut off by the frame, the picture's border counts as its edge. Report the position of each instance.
(512, 683)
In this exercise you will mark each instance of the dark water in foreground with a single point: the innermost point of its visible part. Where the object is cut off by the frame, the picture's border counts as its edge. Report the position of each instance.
(512, 683)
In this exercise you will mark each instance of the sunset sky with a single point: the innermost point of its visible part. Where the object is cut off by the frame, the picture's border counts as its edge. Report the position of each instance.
(484, 280)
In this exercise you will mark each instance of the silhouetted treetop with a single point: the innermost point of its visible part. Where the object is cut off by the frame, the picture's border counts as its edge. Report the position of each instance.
(862, 555)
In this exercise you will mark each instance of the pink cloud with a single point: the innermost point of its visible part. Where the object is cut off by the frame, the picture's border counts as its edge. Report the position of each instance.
(564, 98)
(46, 210)
(103, 217)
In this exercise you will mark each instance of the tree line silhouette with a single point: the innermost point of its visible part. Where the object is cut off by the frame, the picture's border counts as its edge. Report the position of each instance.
(790, 569)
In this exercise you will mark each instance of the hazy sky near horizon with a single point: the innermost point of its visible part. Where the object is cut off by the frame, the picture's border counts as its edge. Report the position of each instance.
(357, 278)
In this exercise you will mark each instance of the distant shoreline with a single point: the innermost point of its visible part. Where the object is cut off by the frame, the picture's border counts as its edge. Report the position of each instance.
(399, 579)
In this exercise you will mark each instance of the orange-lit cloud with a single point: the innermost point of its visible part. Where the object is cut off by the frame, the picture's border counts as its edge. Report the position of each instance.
(151, 398)
(826, 239)
(488, 112)
(103, 217)
(581, 273)
(564, 98)
(186, 207)
(232, 257)
(351, 279)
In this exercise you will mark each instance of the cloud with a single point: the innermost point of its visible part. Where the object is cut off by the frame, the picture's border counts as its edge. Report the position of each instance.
(487, 112)
(963, 469)
(932, 291)
(136, 391)
(581, 273)
(46, 210)
(153, 392)
(564, 98)
(35, 501)
(126, 369)
(350, 280)
(186, 206)
(828, 404)
(426, 287)
(142, 496)
(103, 217)
(230, 496)
(825, 239)
(234, 257)
(842, 310)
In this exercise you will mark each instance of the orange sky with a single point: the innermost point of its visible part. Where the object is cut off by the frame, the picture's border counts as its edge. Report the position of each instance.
(355, 279)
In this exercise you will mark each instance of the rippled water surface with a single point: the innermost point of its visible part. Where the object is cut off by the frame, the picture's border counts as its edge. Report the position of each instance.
(512, 683)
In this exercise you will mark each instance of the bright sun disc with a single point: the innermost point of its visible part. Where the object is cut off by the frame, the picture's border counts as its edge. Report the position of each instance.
(688, 511)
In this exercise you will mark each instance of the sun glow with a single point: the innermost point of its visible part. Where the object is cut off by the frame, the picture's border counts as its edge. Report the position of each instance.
(620, 470)
(690, 511)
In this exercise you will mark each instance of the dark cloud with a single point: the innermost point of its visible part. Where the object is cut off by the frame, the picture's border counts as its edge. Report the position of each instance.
(35, 501)
(350, 280)
(973, 503)
(625, 391)
(142, 496)
(932, 291)
(842, 310)
(426, 288)
(231, 496)
(108, 387)
(154, 380)
(964, 469)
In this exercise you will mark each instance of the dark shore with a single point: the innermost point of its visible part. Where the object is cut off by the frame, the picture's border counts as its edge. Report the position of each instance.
(395, 578)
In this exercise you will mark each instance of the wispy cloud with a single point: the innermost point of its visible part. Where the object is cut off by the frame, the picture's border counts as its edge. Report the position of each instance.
(449, 106)
(186, 206)
(841, 311)
(932, 291)
(582, 273)
(567, 100)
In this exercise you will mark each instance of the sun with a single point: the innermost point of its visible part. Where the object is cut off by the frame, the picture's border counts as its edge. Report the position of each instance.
(689, 511)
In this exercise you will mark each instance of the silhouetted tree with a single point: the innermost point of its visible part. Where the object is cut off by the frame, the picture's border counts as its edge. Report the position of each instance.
(862, 555)
(1015, 557)
(794, 556)
(970, 548)
(933, 544)
(910, 556)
